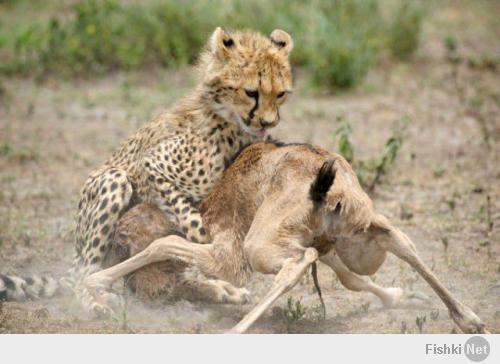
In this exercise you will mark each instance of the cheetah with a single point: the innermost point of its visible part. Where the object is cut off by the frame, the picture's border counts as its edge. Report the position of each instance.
(174, 160)
(278, 210)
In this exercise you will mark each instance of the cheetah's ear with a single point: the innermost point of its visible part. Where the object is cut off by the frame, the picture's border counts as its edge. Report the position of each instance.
(221, 43)
(282, 40)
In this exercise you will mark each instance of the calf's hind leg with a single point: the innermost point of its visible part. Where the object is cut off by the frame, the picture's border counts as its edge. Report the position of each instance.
(171, 247)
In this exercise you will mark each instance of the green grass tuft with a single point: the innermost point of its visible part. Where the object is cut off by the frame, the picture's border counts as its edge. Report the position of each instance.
(404, 31)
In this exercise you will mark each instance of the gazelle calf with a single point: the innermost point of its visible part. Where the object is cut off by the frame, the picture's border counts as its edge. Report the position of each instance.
(277, 210)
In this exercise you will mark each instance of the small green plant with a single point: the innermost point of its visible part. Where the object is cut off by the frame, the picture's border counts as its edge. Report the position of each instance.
(346, 149)
(434, 315)
(5, 149)
(488, 217)
(484, 243)
(292, 312)
(20, 155)
(371, 171)
(485, 61)
(344, 144)
(484, 214)
(3, 319)
(450, 43)
(420, 321)
(390, 152)
(445, 242)
(438, 171)
(406, 212)
(404, 31)
(452, 200)
(451, 46)
(3, 89)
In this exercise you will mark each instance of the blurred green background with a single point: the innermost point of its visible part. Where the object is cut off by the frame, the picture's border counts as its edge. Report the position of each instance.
(336, 40)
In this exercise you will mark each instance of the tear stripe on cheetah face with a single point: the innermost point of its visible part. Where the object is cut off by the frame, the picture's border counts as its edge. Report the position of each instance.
(228, 114)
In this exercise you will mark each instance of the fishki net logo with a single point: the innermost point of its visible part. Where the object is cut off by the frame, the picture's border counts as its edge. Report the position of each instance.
(476, 349)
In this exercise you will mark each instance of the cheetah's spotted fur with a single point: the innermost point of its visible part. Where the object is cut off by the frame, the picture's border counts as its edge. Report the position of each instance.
(175, 159)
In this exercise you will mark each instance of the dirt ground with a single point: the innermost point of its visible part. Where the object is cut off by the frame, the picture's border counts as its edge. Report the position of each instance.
(53, 133)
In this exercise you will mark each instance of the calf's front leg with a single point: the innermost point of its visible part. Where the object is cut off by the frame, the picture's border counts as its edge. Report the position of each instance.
(390, 296)
(288, 276)
(399, 244)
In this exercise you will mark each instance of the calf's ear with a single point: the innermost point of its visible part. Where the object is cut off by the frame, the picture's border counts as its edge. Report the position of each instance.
(323, 181)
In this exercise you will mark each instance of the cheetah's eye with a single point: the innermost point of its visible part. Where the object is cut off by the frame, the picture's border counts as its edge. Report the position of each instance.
(252, 93)
(280, 95)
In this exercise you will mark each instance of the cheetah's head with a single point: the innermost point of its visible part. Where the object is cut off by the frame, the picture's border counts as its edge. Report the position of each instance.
(248, 76)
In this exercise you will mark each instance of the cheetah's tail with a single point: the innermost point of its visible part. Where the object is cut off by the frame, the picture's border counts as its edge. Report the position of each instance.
(15, 288)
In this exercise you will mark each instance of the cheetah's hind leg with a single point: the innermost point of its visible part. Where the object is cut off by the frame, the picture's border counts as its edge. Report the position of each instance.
(104, 198)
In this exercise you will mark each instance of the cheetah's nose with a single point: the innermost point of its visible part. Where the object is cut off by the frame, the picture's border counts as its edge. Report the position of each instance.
(265, 123)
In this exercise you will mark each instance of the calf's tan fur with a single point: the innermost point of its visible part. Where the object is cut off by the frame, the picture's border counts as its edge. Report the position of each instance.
(165, 281)
(277, 210)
